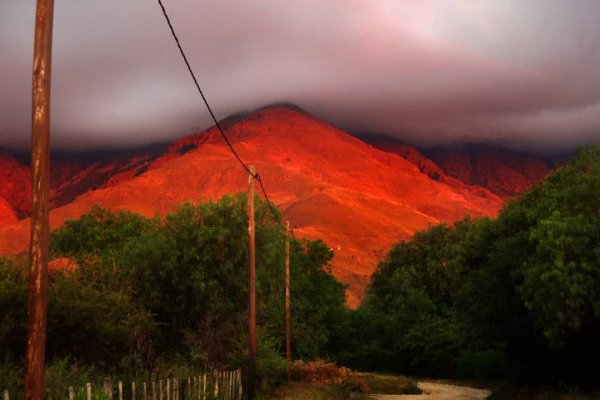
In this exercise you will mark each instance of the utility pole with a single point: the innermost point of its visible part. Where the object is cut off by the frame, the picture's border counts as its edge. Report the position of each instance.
(40, 171)
(288, 323)
(251, 289)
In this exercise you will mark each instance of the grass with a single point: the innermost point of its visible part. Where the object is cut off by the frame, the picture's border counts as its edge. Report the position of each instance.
(358, 386)
(310, 391)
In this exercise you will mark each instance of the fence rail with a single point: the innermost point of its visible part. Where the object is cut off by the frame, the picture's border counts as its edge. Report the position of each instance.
(218, 385)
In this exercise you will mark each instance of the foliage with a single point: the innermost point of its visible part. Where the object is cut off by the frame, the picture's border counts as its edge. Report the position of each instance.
(561, 276)
(309, 391)
(319, 371)
(148, 293)
(11, 377)
(518, 295)
(322, 371)
(270, 364)
(13, 309)
(385, 384)
(63, 372)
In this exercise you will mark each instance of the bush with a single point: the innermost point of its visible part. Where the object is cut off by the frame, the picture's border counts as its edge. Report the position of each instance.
(63, 372)
(319, 371)
(271, 366)
(385, 384)
(482, 364)
(175, 291)
(516, 296)
(11, 378)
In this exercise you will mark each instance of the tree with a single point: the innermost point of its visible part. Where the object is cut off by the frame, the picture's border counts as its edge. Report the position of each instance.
(524, 288)
(189, 273)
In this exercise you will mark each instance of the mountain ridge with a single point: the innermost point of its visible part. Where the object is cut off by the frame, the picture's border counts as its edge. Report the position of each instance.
(330, 185)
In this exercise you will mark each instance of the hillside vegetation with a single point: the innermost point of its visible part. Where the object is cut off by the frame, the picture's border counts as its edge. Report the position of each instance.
(148, 295)
(517, 296)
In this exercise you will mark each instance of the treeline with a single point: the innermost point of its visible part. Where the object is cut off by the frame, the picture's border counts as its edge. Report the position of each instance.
(517, 296)
(148, 295)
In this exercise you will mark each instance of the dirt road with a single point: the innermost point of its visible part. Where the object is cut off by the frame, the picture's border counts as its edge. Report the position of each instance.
(439, 391)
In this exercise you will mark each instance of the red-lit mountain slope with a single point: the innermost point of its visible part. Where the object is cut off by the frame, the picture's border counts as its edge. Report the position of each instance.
(396, 146)
(7, 214)
(70, 176)
(503, 172)
(15, 184)
(330, 185)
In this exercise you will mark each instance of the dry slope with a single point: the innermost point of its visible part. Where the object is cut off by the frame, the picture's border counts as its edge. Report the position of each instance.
(330, 185)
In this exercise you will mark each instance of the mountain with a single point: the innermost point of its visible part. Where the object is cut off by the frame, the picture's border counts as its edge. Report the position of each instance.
(504, 172)
(411, 154)
(7, 213)
(15, 185)
(330, 185)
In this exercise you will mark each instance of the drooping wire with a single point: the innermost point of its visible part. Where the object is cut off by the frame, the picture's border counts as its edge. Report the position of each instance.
(201, 92)
(217, 124)
(294, 239)
(262, 187)
(356, 234)
(224, 136)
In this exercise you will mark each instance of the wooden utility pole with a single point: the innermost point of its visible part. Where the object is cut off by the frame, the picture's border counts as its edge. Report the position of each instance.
(288, 323)
(251, 290)
(40, 171)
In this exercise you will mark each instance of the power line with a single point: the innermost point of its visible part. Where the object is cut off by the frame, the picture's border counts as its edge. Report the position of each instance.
(294, 239)
(221, 131)
(201, 92)
(262, 187)
(356, 234)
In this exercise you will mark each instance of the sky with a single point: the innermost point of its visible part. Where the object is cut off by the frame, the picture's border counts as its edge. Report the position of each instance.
(524, 74)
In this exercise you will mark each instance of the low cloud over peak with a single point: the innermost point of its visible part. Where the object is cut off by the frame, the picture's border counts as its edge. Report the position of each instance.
(523, 74)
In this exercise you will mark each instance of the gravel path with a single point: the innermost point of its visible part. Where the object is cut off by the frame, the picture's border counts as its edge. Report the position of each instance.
(439, 391)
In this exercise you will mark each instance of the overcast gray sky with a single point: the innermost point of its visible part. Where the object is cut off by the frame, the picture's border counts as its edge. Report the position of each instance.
(522, 73)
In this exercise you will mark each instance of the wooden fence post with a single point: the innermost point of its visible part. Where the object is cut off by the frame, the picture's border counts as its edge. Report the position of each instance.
(216, 385)
(240, 386)
(108, 388)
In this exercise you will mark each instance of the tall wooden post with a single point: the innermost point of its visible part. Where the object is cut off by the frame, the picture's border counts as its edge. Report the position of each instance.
(288, 323)
(251, 290)
(40, 171)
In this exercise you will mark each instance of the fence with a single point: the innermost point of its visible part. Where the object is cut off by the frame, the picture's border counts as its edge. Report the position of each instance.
(219, 385)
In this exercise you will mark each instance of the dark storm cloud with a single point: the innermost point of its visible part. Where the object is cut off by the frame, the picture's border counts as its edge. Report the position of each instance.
(522, 73)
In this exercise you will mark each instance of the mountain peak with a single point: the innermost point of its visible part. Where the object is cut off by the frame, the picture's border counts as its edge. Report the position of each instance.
(328, 184)
(284, 106)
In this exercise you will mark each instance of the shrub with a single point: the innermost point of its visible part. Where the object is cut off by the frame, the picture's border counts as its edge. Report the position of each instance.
(481, 365)
(319, 371)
